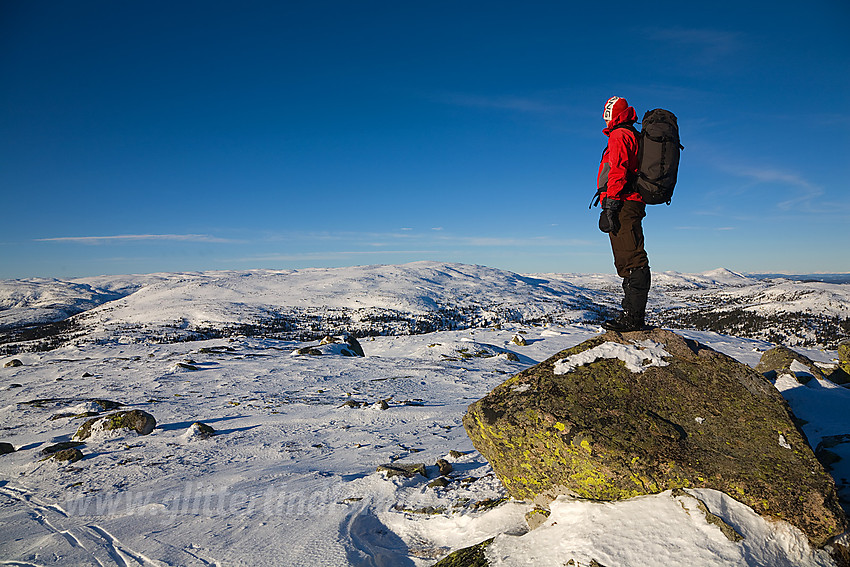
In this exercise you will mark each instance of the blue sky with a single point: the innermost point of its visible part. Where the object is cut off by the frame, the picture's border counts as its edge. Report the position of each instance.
(172, 136)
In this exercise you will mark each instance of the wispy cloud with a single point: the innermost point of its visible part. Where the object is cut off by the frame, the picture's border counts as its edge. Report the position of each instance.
(526, 105)
(717, 228)
(343, 245)
(806, 192)
(499, 242)
(328, 255)
(135, 238)
(705, 45)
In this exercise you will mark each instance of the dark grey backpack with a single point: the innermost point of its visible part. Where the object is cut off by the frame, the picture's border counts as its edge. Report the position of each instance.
(658, 154)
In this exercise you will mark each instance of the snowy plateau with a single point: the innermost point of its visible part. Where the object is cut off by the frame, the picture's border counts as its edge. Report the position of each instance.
(291, 474)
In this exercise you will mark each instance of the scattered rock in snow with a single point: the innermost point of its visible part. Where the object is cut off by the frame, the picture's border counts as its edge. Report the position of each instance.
(66, 455)
(104, 405)
(405, 470)
(463, 349)
(88, 408)
(216, 350)
(354, 345)
(134, 420)
(50, 449)
(601, 430)
(444, 466)
(351, 404)
(199, 430)
(472, 556)
(183, 366)
(782, 358)
(343, 345)
(536, 517)
(13, 363)
(312, 351)
(67, 415)
(519, 340)
(382, 405)
(574, 563)
(439, 482)
(6, 448)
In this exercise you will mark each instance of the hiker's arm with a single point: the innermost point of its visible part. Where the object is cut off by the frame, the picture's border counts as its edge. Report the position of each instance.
(618, 160)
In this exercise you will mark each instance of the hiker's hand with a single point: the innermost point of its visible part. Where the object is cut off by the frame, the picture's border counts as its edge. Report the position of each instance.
(609, 218)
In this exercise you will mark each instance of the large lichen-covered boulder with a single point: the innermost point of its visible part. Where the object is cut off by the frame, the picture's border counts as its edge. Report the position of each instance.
(623, 415)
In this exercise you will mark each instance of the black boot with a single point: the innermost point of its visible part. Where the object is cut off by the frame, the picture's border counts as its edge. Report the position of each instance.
(623, 323)
(638, 283)
(635, 292)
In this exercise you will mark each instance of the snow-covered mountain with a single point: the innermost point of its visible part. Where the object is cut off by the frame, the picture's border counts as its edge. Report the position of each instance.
(399, 300)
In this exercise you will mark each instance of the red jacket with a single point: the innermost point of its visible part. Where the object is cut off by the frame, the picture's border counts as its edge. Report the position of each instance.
(619, 160)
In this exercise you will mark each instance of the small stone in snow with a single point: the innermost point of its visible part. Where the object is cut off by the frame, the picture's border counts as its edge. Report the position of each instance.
(519, 341)
(200, 430)
(66, 455)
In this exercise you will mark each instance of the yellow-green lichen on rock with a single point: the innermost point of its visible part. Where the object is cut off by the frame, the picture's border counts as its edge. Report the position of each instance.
(603, 432)
(472, 556)
(844, 356)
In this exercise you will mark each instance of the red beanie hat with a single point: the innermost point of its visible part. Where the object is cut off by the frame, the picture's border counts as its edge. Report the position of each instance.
(614, 107)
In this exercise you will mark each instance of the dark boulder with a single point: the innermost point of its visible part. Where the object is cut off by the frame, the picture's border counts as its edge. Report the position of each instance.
(136, 420)
(782, 359)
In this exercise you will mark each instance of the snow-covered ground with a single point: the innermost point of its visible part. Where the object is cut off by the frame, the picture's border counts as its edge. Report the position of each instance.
(290, 478)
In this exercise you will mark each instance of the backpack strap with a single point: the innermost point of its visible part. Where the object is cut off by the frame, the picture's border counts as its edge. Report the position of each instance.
(628, 126)
(596, 198)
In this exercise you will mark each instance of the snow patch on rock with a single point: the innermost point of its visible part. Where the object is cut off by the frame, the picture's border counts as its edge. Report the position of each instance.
(637, 356)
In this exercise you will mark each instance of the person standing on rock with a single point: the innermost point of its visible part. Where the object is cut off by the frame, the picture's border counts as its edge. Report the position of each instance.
(623, 210)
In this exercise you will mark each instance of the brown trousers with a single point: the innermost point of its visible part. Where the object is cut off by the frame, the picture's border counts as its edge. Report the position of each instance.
(627, 245)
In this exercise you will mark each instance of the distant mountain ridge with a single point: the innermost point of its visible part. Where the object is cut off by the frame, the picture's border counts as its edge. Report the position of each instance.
(838, 278)
(401, 299)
